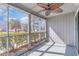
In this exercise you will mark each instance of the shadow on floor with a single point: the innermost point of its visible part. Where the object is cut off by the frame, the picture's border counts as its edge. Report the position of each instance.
(49, 49)
(27, 53)
(32, 50)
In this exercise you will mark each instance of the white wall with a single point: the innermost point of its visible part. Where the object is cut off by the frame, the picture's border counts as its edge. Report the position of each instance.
(61, 29)
(76, 31)
(76, 28)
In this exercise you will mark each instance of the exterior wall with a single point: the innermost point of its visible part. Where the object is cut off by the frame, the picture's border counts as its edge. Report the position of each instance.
(61, 29)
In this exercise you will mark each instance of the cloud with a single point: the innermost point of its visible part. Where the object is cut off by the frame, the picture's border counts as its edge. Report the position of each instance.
(24, 20)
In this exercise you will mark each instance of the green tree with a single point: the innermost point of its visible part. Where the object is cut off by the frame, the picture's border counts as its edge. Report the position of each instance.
(14, 24)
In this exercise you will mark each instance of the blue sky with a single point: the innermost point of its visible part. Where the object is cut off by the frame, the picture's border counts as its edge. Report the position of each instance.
(14, 13)
(17, 14)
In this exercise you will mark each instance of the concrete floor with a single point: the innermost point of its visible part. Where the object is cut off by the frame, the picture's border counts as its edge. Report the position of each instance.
(50, 49)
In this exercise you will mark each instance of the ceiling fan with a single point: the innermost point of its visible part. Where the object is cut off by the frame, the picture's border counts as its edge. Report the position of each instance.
(50, 7)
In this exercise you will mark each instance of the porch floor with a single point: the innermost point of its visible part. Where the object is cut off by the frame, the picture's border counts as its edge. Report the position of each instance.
(50, 49)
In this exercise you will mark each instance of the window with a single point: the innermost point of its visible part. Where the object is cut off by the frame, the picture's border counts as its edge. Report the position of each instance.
(42, 29)
(34, 29)
(3, 28)
(14, 30)
(38, 29)
(18, 29)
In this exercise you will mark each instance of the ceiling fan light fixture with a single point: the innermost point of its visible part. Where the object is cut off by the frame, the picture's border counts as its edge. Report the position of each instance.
(51, 6)
(47, 13)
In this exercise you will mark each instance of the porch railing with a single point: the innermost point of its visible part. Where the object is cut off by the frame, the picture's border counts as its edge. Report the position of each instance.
(18, 42)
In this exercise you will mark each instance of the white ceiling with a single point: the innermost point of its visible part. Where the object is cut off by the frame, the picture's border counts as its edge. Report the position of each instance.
(67, 7)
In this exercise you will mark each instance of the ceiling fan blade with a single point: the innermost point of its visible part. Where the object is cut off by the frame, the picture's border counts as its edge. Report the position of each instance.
(57, 11)
(56, 6)
(47, 12)
(41, 10)
(43, 5)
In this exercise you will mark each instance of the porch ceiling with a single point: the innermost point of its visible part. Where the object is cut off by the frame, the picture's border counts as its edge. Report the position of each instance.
(67, 8)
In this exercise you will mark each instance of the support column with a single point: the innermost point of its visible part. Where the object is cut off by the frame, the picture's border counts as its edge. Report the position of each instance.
(7, 42)
(29, 35)
(39, 32)
(47, 31)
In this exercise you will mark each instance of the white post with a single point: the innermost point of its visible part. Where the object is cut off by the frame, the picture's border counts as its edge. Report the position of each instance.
(39, 31)
(29, 35)
(47, 31)
(7, 18)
